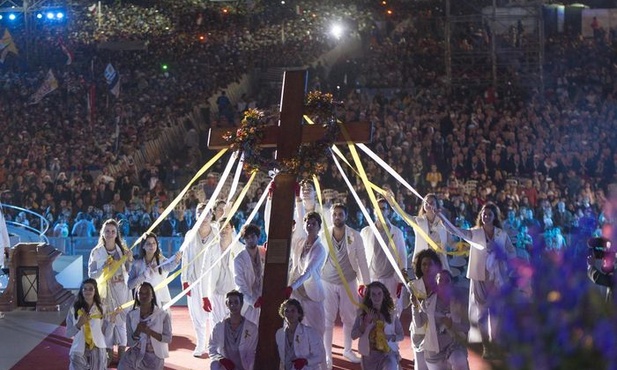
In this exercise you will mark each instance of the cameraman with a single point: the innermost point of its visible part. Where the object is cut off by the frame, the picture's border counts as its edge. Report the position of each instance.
(601, 249)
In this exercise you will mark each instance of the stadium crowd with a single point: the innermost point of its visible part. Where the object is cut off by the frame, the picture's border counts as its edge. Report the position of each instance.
(537, 154)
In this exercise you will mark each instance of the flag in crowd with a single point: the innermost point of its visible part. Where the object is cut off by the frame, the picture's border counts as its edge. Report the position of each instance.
(91, 96)
(7, 45)
(66, 51)
(93, 9)
(113, 80)
(50, 84)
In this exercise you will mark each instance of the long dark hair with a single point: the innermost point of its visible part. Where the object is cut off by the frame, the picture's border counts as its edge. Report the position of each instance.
(492, 207)
(80, 301)
(137, 303)
(157, 253)
(387, 305)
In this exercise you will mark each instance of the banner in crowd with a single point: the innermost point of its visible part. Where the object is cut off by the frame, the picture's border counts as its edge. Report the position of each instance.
(113, 80)
(50, 84)
(66, 51)
(7, 45)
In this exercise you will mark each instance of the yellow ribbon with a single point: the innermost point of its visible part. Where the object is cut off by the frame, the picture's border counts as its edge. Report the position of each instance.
(331, 251)
(378, 336)
(87, 329)
(102, 280)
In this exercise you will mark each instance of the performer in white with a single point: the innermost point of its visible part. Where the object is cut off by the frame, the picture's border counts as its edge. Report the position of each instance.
(249, 272)
(306, 261)
(153, 267)
(380, 267)
(299, 346)
(489, 269)
(106, 265)
(150, 333)
(350, 255)
(432, 226)
(5, 241)
(192, 268)
(220, 279)
(234, 339)
(84, 323)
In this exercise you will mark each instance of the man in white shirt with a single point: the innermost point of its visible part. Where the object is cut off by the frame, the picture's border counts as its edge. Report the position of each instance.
(306, 261)
(249, 272)
(234, 339)
(193, 264)
(347, 253)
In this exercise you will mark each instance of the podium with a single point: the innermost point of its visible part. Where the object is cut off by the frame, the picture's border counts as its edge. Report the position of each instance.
(32, 281)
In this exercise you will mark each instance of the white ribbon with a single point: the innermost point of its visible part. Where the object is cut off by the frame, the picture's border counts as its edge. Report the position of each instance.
(374, 229)
(234, 241)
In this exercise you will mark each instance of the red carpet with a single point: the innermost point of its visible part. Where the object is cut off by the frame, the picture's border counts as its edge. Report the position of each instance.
(52, 352)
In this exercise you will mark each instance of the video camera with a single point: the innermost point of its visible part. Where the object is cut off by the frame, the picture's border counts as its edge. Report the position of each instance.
(598, 247)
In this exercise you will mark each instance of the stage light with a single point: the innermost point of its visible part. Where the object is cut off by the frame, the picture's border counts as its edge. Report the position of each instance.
(337, 30)
(1, 16)
(50, 15)
(164, 67)
(12, 16)
(60, 15)
(39, 16)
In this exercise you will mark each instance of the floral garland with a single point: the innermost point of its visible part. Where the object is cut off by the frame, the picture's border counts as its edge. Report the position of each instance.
(310, 159)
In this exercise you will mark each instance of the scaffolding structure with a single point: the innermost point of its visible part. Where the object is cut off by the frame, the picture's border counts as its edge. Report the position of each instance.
(491, 43)
(26, 11)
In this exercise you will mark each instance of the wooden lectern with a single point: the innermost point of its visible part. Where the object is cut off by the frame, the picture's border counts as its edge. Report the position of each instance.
(32, 281)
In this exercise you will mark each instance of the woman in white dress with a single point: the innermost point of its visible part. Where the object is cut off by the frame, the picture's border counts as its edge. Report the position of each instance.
(149, 329)
(153, 267)
(84, 323)
(110, 262)
(379, 330)
(488, 271)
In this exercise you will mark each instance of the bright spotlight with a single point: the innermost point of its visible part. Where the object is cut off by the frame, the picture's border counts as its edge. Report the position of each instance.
(39, 16)
(337, 31)
(60, 15)
(50, 15)
(12, 17)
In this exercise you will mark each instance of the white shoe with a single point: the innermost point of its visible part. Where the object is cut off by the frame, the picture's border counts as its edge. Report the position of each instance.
(198, 353)
(328, 364)
(352, 357)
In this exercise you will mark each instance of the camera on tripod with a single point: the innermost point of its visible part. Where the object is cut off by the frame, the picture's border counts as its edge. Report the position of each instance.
(598, 247)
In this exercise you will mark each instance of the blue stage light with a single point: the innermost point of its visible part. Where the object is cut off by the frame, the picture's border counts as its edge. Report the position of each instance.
(12, 17)
(39, 16)
(50, 15)
(60, 15)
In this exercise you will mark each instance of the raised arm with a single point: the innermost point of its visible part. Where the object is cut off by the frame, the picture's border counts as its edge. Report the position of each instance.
(465, 234)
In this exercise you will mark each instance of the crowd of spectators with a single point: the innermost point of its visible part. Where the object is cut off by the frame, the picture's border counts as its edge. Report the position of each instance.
(544, 158)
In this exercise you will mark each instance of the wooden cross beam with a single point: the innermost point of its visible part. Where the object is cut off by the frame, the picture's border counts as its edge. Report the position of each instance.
(286, 138)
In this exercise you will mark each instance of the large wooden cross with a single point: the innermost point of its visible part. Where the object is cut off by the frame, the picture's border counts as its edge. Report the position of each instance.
(286, 138)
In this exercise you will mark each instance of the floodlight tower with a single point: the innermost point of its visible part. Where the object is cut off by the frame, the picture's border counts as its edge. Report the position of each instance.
(494, 42)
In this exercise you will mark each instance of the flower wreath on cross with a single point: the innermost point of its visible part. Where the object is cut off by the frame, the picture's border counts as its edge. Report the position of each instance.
(310, 158)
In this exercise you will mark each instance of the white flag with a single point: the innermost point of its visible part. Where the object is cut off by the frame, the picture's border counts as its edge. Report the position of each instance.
(50, 84)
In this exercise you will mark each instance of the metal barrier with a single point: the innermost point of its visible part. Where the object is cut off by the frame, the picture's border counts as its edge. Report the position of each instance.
(40, 231)
(83, 245)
